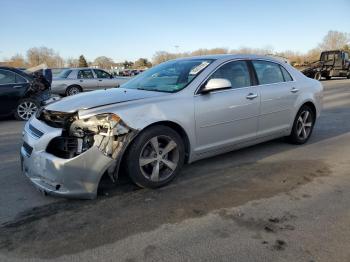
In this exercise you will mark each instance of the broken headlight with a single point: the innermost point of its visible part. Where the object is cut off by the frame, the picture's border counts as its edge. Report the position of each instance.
(105, 131)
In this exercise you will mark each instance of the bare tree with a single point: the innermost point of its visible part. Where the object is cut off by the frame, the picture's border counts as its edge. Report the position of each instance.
(334, 40)
(17, 61)
(44, 55)
(72, 62)
(104, 62)
(142, 63)
(162, 56)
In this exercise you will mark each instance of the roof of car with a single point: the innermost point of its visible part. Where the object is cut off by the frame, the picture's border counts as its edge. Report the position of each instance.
(16, 70)
(234, 56)
(82, 68)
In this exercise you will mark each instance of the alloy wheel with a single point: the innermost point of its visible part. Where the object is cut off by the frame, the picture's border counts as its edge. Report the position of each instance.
(26, 109)
(159, 158)
(73, 91)
(304, 125)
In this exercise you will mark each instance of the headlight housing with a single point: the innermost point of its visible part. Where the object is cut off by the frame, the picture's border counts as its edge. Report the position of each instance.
(105, 131)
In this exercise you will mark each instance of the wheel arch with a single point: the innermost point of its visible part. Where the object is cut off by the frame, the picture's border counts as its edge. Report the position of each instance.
(173, 125)
(180, 130)
(311, 105)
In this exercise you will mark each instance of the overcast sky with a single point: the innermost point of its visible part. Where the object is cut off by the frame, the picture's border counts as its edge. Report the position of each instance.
(132, 29)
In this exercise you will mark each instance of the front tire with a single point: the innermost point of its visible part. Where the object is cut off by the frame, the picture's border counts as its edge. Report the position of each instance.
(26, 108)
(155, 157)
(303, 126)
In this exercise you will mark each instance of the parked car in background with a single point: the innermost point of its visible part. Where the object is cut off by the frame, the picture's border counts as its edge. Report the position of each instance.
(76, 80)
(335, 63)
(57, 71)
(22, 94)
(174, 113)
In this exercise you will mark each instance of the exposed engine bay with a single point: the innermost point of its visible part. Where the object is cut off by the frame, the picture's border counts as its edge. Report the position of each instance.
(107, 132)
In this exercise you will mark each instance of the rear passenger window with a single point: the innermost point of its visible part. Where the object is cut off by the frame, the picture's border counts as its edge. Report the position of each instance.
(20, 79)
(268, 72)
(7, 77)
(236, 72)
(286, 75)
(85, 74)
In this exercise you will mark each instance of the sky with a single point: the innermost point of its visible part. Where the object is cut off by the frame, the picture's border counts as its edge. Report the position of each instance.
(130, 29)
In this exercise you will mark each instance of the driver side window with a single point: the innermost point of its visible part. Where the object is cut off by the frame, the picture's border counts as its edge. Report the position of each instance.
(236, 72)
(101, 74)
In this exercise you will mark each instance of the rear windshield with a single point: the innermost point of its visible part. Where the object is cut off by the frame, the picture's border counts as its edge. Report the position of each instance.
(64, 73)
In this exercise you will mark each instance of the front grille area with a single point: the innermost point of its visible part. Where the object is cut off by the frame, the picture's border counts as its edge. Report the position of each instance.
(35, 132)
(27, 149)
(64, 147)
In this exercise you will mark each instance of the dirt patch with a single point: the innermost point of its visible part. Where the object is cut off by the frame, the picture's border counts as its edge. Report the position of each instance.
(71, 227)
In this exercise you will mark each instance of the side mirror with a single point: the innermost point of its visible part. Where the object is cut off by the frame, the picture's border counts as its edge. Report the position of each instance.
(216, 84)
(111, 76)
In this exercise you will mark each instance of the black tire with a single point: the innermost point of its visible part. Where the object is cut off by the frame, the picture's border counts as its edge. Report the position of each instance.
(328, 77)
(25, 108)
(318, 76)
(142, 148)
(296, 137)
(348, 75)
(73, 90)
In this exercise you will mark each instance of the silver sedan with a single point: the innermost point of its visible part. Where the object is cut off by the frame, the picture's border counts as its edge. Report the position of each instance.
(177, 112)
(75, 80)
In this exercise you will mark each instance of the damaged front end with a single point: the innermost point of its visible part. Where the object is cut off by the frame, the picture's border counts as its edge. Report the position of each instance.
(106, 132)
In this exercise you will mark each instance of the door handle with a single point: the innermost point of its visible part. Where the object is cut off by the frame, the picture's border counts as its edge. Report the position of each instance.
(80, 80)
(16, 87)
(294, 90)
(251, 96)
(100, 80)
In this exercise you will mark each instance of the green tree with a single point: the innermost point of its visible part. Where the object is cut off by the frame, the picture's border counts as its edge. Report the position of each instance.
(82, 61)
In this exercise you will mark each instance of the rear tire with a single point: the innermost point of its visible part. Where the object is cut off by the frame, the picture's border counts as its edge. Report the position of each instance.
(26, 107)
(73, 90)
(155, 157)
(303, 126)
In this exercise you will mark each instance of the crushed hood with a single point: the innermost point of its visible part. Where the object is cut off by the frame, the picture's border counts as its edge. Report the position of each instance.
(100, 98)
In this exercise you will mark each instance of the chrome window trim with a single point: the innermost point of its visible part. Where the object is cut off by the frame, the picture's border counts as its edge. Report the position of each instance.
(278, 63)
(214, 70)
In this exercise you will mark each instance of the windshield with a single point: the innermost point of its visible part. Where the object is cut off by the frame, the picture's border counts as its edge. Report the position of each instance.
(64, 73)
(170, 76)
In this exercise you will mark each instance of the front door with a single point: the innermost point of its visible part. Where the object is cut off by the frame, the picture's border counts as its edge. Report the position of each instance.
(224, 118)
(87, 80)
(105, 80)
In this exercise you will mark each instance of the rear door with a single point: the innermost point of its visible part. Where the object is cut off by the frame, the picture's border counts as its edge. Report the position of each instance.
(227, 117)
(12, 89)
(87, 80)
(105, 80)
(278, 94)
